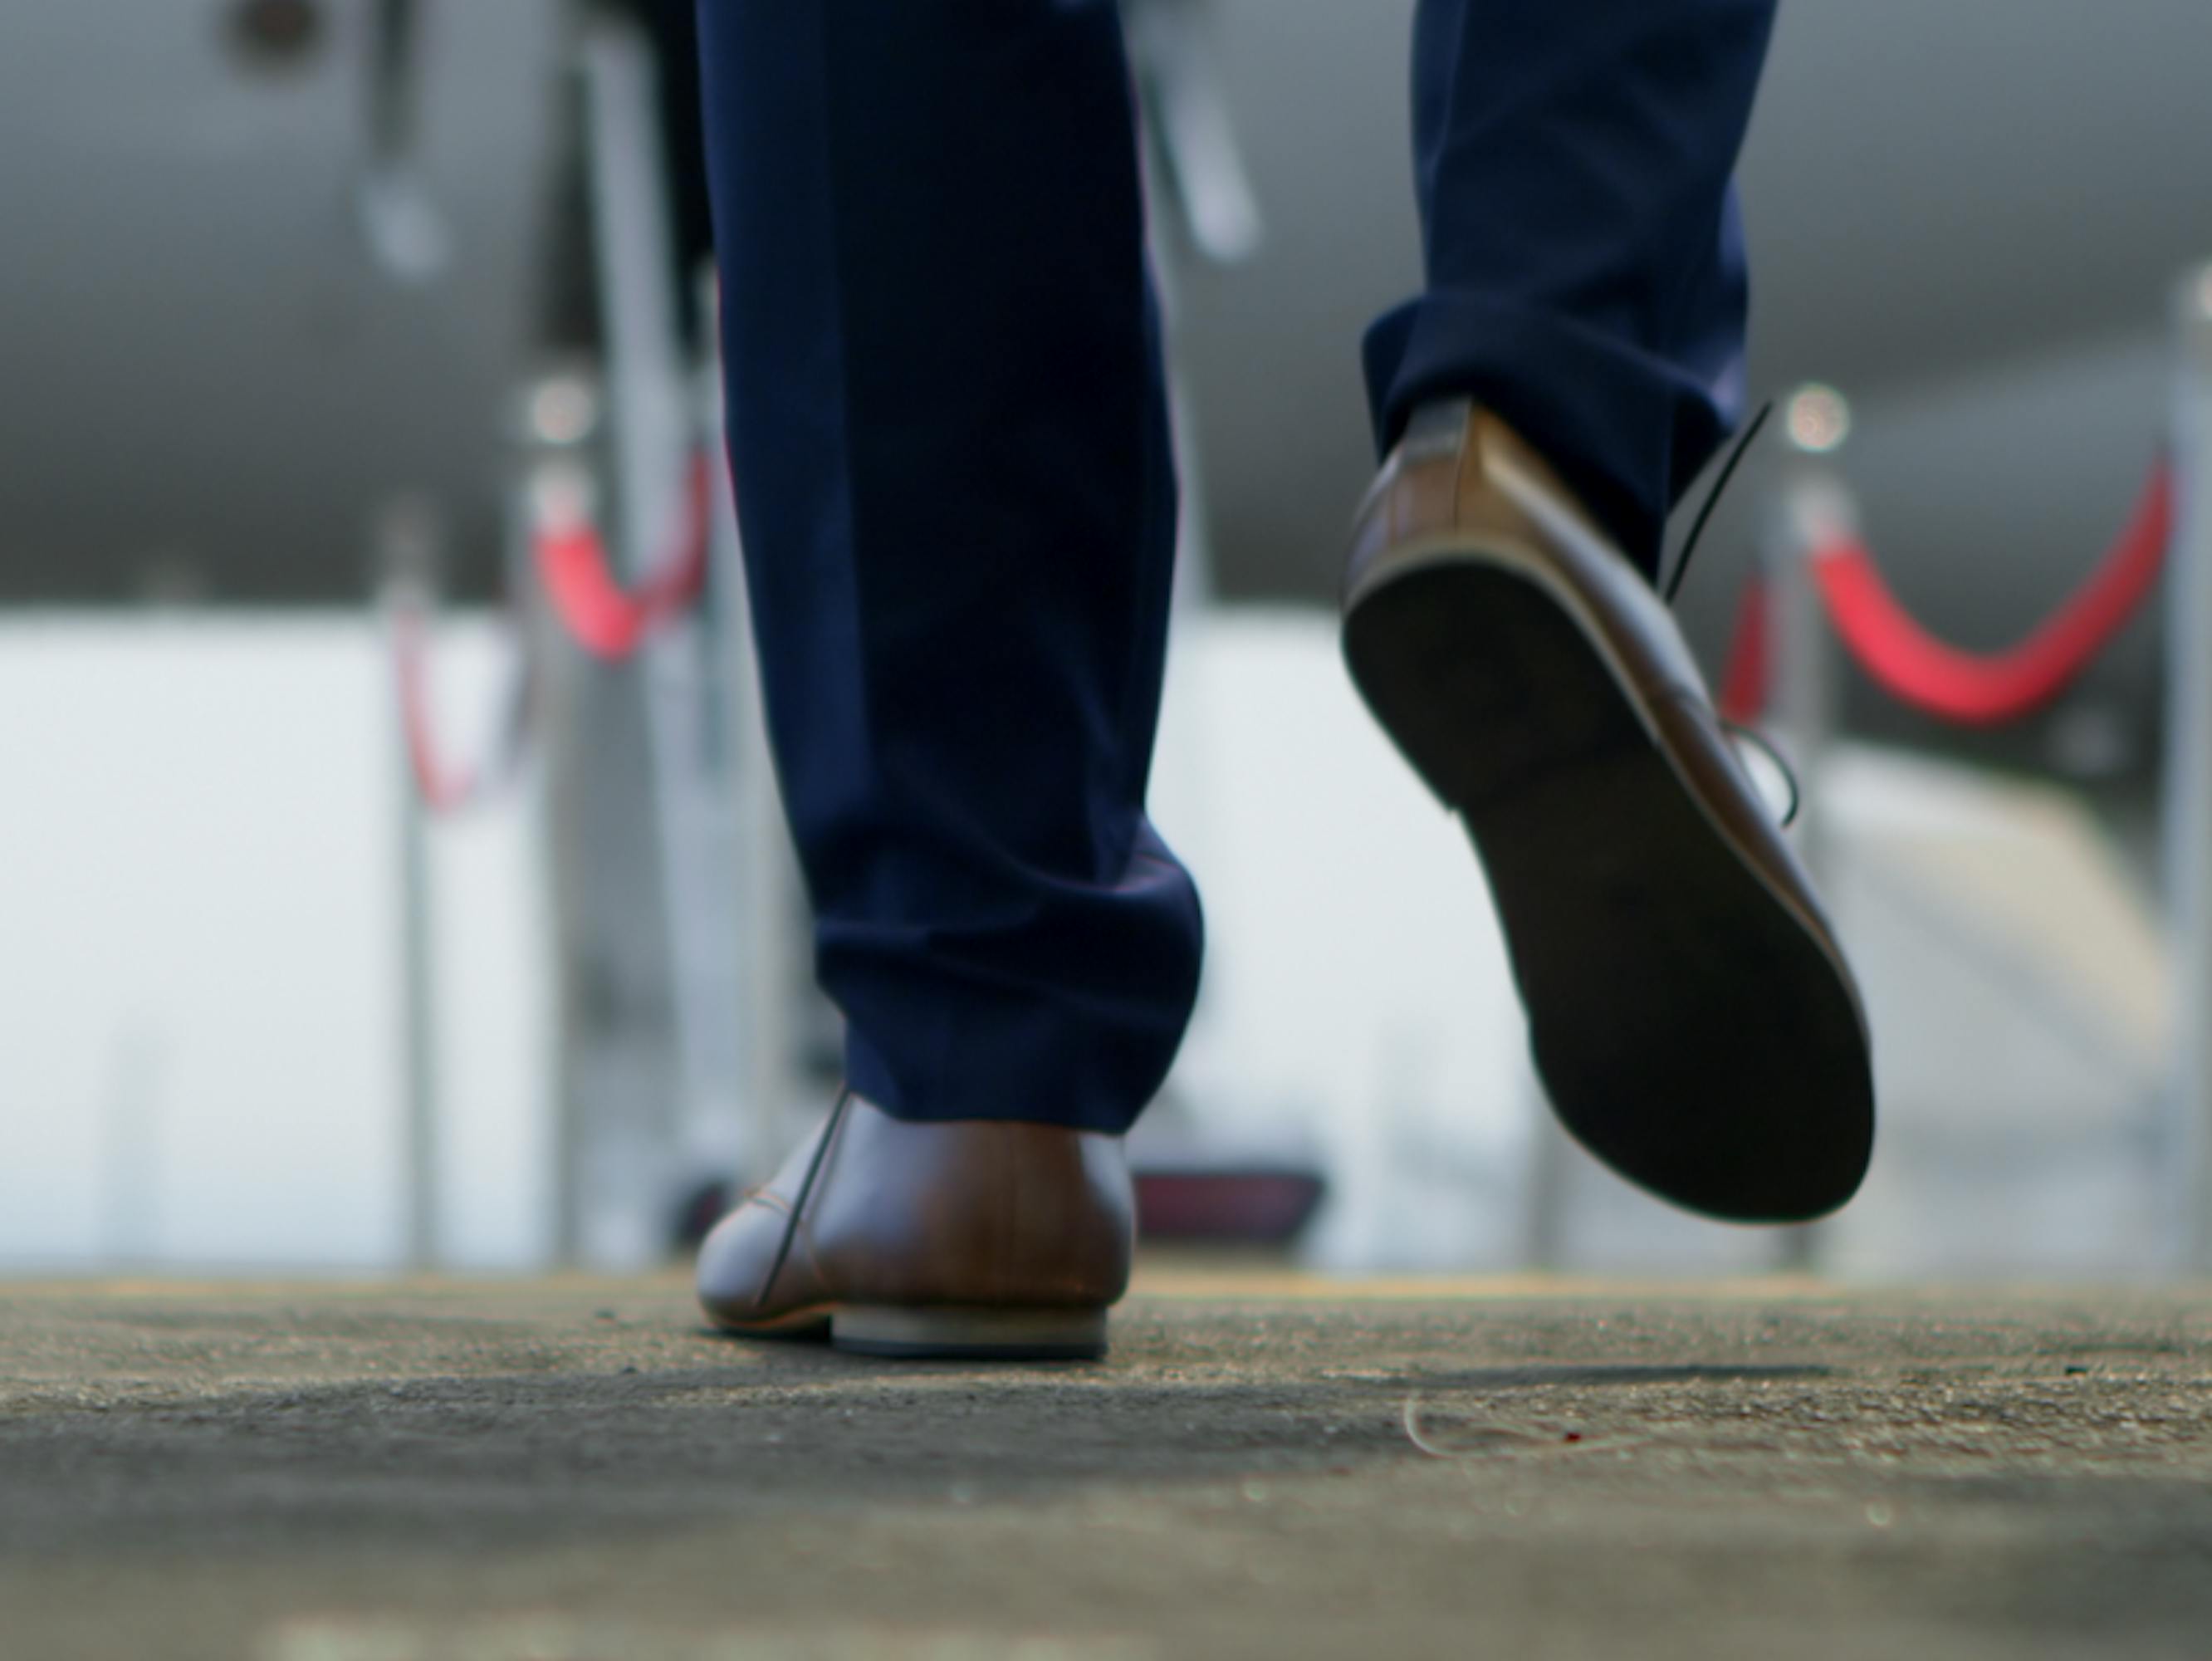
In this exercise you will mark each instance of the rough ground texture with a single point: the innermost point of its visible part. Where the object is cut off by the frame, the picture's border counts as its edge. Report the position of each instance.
(573, 1468)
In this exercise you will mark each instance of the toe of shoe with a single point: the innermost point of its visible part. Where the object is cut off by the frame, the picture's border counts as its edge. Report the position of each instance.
(738, 1257)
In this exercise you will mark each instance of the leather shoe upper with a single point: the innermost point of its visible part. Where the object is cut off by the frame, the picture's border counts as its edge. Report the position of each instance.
(977, 1213)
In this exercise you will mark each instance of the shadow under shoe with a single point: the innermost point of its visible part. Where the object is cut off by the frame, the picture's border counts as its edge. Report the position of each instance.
(1691, 1015)
(977, 1238)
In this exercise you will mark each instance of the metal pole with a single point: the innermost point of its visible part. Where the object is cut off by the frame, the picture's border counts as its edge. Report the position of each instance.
(1815, 503)
(1813, 500)
(407, 549)
(629, 192)
(556, 432)
(653, 404)
(616, 1076)
(421, 1017)
(626, 750)
(1544, 1231)
(2188, 806)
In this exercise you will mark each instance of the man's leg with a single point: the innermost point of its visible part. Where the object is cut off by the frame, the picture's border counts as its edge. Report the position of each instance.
(949, 431)
(1585, 259)
(1575, 357)
(952, 469)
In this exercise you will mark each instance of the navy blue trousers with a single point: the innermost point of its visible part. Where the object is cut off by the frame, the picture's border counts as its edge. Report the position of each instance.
(948, 424)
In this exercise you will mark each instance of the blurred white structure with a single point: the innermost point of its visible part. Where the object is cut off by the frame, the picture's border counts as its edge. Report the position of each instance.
(200, 956)
(200, 972)
(1358, 999)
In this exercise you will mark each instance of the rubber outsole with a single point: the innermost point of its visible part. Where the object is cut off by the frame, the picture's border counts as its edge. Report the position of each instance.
(939, 1332)
(1689, 1029)
(976, 1334)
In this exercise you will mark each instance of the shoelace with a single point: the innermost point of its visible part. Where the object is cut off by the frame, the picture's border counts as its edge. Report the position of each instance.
(1758, 740)
(806, 1193)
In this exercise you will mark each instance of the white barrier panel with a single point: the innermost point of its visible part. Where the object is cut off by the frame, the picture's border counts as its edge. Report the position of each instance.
(200, 953)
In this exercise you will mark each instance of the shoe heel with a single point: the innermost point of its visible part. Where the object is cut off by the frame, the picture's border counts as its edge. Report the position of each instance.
(977, 1334)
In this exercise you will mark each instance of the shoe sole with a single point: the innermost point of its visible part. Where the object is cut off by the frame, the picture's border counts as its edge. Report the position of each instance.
(1691, 1029)
(943, 1332)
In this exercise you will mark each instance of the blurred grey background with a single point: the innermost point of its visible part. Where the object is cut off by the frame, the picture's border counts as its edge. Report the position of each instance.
(274, 266)
(1967, 216)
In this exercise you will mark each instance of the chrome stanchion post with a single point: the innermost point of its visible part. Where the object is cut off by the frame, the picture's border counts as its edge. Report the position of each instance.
(628, 780)
(558, 432)
(2188, 787)
(1813, 503)
(1195, 167)
(407, 537)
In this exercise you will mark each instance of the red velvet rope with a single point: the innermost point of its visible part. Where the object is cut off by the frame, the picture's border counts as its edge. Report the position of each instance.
(602, 618)
(572, 565)
(1745, 679)
(1971, 688)
(444, 788)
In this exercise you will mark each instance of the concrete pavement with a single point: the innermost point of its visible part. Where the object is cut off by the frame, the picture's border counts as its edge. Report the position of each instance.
(1267, 1466)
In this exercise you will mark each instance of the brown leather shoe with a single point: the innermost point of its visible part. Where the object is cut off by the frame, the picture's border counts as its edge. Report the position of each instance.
(983, 1238)
(1691, 1015)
